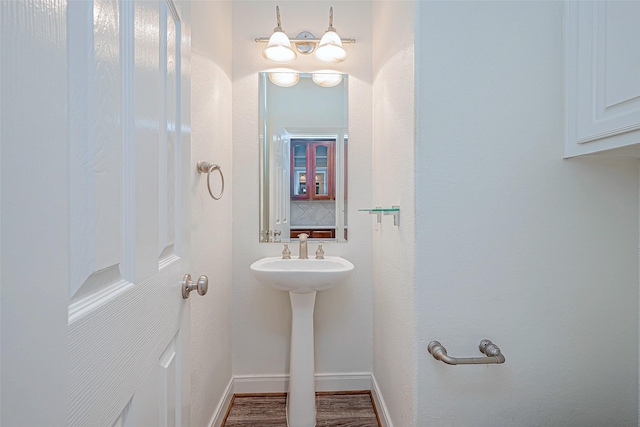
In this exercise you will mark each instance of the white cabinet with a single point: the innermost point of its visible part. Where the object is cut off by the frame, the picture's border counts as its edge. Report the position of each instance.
(602, 54)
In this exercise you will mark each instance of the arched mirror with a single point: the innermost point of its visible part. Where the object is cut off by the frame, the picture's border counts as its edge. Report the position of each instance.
(303, 156)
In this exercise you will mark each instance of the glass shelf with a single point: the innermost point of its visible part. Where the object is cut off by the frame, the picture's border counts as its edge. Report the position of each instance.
(374, 210)
(378, 211)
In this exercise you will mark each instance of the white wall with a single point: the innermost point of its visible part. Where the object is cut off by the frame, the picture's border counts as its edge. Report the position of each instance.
(211, 229)
(393, 148)
(513, 243)
(261, 317)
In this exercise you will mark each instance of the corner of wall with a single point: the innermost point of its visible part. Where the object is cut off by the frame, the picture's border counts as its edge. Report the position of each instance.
(393, 170)
(211, 234)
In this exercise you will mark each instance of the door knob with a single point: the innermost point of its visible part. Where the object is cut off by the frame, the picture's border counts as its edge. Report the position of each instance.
(188, 285)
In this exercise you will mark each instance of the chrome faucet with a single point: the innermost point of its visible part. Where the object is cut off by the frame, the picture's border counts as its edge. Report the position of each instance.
(303, 245)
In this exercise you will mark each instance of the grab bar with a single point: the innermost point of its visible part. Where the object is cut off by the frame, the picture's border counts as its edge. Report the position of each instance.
(487, 347)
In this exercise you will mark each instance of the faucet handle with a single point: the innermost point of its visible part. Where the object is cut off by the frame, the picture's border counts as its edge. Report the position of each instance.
(320, 251)
(286, 253)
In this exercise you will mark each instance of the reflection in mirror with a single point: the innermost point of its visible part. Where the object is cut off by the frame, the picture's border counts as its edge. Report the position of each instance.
(303, 157)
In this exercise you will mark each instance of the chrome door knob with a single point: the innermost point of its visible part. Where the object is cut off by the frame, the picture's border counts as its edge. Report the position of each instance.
(188, 285)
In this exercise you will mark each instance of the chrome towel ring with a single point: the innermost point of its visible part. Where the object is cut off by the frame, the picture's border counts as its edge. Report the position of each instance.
(206, 167)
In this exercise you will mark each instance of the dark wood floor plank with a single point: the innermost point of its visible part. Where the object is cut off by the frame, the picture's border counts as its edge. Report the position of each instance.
(339, 409)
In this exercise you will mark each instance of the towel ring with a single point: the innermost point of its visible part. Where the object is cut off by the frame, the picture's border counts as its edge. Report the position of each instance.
(206, 167)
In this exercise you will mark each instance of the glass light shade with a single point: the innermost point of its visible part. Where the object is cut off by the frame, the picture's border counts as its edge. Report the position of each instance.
(284, 78)
(279, 49)
(326, 78)
(330, 48)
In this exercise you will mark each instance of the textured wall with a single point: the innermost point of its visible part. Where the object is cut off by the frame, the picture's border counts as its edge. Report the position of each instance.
(262, 316)
(393, 148)
(515, 244)
(211, 229)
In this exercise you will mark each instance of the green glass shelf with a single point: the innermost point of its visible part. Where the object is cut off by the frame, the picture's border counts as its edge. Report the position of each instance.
(374, 210)
(378, 211)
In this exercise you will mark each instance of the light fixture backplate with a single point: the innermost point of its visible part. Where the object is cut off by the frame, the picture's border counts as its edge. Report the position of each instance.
(305, 48)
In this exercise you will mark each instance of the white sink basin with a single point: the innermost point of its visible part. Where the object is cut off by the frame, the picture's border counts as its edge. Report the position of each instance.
(302, 275)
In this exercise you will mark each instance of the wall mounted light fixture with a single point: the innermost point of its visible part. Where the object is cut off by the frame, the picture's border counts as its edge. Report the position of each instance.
(330, 48)
(327, 49)
(279, 47)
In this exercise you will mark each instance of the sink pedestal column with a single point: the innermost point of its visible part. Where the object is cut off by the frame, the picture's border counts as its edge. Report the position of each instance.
(301, 400)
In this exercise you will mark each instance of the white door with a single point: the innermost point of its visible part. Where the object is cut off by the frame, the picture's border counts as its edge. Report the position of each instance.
(279, 186)
(95, 220)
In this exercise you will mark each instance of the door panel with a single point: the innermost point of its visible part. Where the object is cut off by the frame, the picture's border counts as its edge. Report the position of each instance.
(168, 61)
(95, 191)
(95, 176)
(126, 310)
(158, 390)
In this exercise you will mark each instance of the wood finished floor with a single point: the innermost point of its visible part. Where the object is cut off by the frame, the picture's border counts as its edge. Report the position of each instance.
(334, 409)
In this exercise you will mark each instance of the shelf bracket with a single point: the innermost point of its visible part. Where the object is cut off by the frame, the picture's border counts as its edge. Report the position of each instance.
(378, 212)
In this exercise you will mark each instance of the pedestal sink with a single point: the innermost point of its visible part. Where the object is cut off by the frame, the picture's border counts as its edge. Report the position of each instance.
(302, 278)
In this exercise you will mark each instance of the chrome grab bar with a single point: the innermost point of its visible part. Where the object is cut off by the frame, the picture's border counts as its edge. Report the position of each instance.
(487, 347)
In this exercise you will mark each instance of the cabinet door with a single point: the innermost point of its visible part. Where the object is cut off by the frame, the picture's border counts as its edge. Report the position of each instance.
(602, 52)
(322, 165)
(300, 165)
(312, 170)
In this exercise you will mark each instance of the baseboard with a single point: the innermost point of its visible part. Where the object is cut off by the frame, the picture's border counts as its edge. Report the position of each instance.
(223, 405)
(280, 383)
(343, 382)
(260, 384)
(381, 407)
